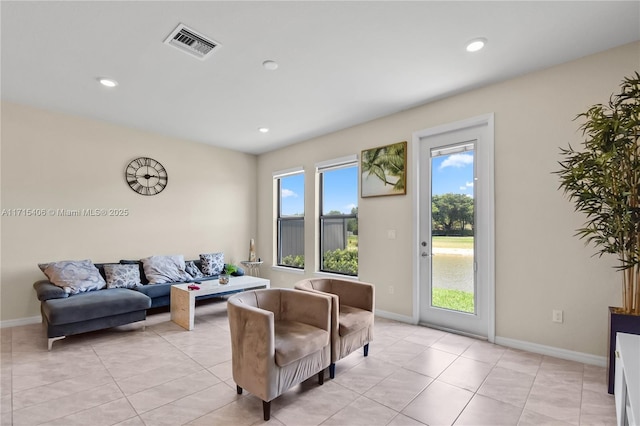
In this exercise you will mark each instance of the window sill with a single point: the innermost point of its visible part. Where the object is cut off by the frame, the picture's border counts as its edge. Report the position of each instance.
(285, 269)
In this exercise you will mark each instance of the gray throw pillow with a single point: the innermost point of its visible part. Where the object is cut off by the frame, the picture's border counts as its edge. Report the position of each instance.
(193, 270)
(122, 276)
(74, 276)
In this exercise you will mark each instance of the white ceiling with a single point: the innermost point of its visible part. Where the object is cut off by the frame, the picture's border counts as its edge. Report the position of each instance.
(340, 63)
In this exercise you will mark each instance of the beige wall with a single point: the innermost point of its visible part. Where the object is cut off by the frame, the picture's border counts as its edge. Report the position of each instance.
(540, 266)
(56, 161)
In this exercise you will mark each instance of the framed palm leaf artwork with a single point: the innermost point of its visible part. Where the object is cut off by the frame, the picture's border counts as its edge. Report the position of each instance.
(383, 170)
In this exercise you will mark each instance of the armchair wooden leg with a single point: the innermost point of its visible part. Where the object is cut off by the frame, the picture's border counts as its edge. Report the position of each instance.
(239, 390)
(366, 349)
(321, 377)
(266, 410)
(332, 370)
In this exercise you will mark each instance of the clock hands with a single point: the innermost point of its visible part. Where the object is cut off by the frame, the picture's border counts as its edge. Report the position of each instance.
(148, 176)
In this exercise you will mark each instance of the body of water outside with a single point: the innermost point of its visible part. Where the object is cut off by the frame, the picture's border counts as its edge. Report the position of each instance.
(452, 273)
(453, 269)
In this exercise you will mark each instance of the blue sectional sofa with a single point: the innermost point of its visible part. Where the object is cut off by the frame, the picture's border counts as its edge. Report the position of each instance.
(66, 314)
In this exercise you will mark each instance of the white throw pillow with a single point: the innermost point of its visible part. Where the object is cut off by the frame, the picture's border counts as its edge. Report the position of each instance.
(74, 276)
(165, 269)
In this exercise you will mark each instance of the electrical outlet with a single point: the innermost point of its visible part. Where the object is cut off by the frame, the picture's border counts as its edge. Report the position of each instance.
(391, 234)
(557, 316)
(391, 289)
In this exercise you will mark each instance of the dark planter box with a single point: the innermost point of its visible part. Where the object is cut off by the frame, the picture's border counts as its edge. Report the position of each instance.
(623, 323)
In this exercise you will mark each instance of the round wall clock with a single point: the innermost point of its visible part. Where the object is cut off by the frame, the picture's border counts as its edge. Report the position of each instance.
(146, 176)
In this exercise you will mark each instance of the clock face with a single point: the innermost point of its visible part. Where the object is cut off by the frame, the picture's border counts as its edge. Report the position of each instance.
(146, 176)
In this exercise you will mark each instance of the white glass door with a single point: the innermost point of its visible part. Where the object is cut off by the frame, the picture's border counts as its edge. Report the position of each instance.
(455, 213)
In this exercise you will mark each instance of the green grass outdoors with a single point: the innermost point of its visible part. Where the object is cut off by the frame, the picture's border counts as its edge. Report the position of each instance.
(452, 299)
(352, 242)
(453, 242)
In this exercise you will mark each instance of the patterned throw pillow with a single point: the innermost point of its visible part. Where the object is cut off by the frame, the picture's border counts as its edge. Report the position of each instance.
(122, 276)
(165, 269)
(212, 263)
(74, 276)
(193, 270)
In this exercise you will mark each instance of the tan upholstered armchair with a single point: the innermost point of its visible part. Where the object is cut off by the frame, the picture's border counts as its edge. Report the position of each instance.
(279, 338)
(352, 315)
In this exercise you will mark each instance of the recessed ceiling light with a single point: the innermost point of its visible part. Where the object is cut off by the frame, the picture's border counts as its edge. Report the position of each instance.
(270, 65)
(476, 44)
(263, 130)
(107, 82)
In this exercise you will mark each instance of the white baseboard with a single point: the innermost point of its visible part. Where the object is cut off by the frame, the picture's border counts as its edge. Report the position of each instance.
(582, 357)
(395, 317)
(21, 321)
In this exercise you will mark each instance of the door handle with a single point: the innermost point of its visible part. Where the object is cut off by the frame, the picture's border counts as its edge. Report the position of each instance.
(425, 254)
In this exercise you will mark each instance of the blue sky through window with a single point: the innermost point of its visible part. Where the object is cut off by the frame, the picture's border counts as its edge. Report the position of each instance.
(340, 190)
(340, 186)
(292, 195)
(452, 174)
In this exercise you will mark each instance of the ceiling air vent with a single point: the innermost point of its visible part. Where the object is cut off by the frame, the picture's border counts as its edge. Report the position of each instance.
(191, 42)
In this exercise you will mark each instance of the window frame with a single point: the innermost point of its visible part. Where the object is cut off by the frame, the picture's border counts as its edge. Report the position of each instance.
(321, 168)
(279, 218)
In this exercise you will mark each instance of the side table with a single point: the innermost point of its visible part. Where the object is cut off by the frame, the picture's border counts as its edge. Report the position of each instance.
(253, 268)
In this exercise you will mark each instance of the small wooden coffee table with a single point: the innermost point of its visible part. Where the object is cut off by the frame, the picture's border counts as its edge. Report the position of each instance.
(183, 300)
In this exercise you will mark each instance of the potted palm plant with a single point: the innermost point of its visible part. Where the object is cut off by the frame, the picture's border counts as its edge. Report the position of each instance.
(603, 181)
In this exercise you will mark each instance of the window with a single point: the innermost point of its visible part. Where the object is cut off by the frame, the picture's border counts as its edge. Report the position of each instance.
(290, 218)
(338, 181)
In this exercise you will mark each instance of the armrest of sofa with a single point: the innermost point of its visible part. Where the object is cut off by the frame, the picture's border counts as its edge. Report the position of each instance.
(46, 291)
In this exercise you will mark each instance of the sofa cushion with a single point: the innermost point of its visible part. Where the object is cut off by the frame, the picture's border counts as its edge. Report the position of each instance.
(212, 263)
(74, 276)
(155, 290)
(294, 340)
(353, 319)
(94, 304)
(122, 276)
(165, 269)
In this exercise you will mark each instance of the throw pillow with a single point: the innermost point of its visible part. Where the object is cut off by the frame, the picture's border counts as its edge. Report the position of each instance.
(165, 269)
(193, 270)
(212, 263)
(74, 276)
(122, 276)
(143, 278)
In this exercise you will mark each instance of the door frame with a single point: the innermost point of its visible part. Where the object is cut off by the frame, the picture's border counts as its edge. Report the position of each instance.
(486, 206)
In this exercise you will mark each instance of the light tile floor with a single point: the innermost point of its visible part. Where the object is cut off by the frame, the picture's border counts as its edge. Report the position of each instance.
(164, 375)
